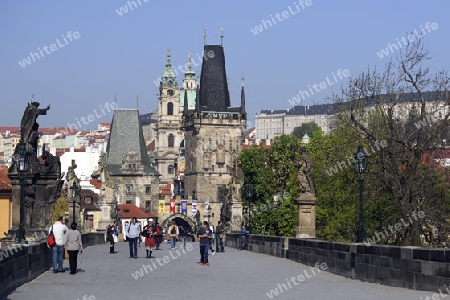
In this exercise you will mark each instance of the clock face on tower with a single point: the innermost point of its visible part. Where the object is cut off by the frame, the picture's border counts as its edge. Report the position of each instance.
(170, 92)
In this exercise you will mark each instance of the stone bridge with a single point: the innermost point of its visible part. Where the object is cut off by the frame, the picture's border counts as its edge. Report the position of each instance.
(234, 274)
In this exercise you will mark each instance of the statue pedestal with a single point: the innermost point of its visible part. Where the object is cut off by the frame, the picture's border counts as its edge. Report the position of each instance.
(306, 216)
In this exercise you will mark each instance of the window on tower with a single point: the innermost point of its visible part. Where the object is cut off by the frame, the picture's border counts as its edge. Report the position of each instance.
(170, 141)
(170, 169)
(170, 109)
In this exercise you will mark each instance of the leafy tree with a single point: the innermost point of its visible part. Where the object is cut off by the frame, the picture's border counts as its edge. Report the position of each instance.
(309, 128)
(61, 208)
(399, 171)
(271, 172)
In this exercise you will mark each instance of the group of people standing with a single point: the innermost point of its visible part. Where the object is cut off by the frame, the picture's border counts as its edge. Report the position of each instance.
(68, 239)
(153, 234)
(207, 235)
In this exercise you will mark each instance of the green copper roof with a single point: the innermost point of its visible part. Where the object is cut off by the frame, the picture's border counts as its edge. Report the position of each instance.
(191, 98)
(169, 79)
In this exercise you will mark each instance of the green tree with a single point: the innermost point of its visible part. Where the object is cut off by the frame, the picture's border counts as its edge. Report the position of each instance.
(272, 172)
(309, 128)
(61, 208)
(401, 181)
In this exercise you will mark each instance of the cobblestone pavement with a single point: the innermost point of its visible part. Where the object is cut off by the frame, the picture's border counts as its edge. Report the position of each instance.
(176, 274)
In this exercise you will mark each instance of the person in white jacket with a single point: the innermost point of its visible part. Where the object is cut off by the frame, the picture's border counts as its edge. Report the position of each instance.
(60, 232)
(133, 233)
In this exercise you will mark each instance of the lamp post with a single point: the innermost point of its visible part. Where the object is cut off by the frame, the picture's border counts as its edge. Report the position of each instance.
(74, 192)
(360, 158)
(23, 165)
(249, 195)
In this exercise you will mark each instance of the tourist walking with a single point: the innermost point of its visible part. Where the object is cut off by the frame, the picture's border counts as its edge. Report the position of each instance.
(73, 245)
(158, 236)
(220, 234)
(211, 241)
(60, 232)
(110, 238)
(244, 232)
(125, 230)
(133, 234)
(115, 230)
(204, 234)
(173, 234)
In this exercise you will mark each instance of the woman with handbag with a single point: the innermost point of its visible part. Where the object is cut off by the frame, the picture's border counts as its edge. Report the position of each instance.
(73, 245)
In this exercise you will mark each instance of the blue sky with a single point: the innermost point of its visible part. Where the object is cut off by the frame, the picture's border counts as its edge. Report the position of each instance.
(123, 55)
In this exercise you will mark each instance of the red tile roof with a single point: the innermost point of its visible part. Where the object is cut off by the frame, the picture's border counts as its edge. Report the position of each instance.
(11, 129)
(151, 146)
(96, 182)
(166, 190)
(5, 182)
(54, 130)
(128, 211)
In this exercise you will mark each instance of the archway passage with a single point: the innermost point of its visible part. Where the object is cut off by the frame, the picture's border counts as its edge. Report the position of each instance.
(181, 220)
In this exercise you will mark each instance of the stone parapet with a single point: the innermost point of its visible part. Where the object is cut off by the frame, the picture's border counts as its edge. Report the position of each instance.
(21, 263)
(408, 267)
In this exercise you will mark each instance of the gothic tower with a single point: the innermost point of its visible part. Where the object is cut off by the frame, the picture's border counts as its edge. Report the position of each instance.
(168, 131)
(213, 138)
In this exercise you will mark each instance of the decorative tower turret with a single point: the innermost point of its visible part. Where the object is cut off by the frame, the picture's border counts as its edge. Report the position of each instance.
(168, 131)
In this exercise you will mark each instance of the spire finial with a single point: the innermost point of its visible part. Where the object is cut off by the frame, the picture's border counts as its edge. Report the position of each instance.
(242, 78)
(189, 60)
(168, 52)
(204, 34)
(221, 36)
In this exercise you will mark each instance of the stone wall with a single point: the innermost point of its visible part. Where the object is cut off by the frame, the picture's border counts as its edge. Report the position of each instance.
(409, 267)
(21, 263)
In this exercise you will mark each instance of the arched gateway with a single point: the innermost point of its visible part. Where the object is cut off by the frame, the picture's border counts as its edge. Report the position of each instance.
(181, 220)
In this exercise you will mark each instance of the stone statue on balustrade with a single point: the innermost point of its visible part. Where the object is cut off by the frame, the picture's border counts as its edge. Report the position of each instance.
(306, 200)
(305, 166)
(42, 182)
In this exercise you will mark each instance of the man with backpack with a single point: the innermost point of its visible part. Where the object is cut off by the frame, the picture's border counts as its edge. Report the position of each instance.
(173, 234)
(60, 231)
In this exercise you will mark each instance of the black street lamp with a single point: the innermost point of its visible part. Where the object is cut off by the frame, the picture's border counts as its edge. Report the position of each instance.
(360, 158)
(23, 165)
(74, 192)
(249, 195)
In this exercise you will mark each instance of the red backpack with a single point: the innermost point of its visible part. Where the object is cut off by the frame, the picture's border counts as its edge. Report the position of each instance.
(51, 239)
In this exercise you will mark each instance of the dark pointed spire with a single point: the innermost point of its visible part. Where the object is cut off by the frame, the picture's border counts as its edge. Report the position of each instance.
(214, 94)
(242, 97)
(197, 99)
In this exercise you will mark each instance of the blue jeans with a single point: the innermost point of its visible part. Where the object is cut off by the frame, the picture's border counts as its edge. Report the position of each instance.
(242, 242)
(58, 252)
(219, 244)
(204, 253)
(173, 241)
(132, 242)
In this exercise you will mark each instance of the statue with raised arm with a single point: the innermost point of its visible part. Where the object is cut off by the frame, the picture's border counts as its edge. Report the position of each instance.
(27, 126)
(305, 166)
